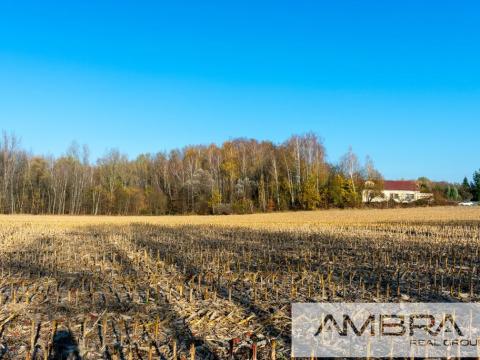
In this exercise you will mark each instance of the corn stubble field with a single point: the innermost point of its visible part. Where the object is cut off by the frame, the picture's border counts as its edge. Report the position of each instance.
(216, 287)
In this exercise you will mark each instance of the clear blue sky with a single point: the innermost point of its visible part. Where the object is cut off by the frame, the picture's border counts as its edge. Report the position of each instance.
(398, 80)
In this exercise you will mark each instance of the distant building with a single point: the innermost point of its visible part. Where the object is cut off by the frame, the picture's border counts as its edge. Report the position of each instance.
(400, 191)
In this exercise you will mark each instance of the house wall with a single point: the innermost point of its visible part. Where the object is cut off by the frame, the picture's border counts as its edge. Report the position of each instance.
(396, 195)
(401, 195)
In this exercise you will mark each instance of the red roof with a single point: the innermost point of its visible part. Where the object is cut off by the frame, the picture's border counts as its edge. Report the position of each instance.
(400, 185)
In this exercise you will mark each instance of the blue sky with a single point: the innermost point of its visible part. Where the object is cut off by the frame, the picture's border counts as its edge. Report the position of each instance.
(398, 80)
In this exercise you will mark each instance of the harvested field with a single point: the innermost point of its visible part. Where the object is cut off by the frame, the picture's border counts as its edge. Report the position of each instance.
(216, 287)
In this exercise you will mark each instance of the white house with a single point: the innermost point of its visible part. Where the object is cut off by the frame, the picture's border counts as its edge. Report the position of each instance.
(400, 191)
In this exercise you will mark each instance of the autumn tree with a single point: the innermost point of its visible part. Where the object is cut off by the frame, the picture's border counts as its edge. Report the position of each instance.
(350, 167)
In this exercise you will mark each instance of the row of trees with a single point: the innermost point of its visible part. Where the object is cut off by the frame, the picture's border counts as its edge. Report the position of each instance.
(240, 176)
(467, 190)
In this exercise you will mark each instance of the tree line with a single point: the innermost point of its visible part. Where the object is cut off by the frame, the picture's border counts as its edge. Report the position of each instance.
(240, 176)
(467, 190)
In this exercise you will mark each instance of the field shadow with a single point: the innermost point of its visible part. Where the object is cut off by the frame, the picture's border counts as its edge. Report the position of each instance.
(17, 265)
(177, 325)
(171, 244)
(183, 263)
(64, 346)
